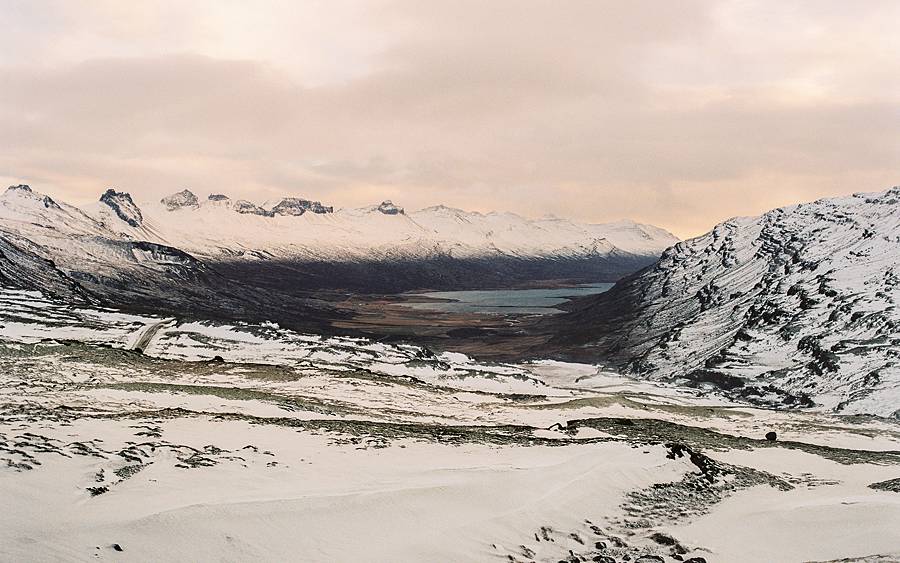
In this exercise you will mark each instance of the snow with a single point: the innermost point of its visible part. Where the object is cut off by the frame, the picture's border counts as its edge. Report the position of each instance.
(127, 430)
(214, 229)
(806, 524)
(313, 448)
(803, 298)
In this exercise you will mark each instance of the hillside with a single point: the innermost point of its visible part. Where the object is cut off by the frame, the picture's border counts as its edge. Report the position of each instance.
(796, 306)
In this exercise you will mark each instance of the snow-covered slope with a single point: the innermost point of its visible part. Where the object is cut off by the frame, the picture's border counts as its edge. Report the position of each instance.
(798, 304)
(153, 439)
(72, 242)
(291, 228)
(62, 251)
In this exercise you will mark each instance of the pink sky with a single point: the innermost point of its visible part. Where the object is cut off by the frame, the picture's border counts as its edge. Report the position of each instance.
(679, 114)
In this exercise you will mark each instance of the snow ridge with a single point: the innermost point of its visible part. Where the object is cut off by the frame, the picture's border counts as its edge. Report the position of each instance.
(307, 230)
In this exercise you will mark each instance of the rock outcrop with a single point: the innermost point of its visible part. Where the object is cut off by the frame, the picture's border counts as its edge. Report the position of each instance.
(181, 200)
(123, 206)
(388, 208)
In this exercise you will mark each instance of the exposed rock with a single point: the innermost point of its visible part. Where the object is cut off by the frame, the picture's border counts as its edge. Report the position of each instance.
(298, 206)
(388, 208)
(892, 485)
(250, 208)
(22, 268)
(663, 539)
(97, 491)
(218, 197)
(123, 206)
(20, 188)
(184, 198)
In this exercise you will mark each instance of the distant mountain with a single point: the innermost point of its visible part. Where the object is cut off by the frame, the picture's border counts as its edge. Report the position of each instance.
(293, 242)
(796, 306)
(58, 249)
(219, 258)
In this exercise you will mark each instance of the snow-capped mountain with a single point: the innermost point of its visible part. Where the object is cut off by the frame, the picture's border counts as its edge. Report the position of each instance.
(62, 251)
(293, 242)
(226, 258)
(220, 228)
(797, 305)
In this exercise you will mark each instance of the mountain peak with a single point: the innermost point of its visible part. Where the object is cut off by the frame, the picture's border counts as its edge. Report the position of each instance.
(180, 200)
(20, 188)
(298, 206)
(123, 206)
(24, 191)
(249, 208)
(388, 208)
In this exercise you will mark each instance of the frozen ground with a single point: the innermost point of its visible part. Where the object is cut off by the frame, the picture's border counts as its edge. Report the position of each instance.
(148, 439)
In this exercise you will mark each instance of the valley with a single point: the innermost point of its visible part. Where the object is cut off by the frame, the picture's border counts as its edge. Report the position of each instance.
(112, 451)
(715, 405)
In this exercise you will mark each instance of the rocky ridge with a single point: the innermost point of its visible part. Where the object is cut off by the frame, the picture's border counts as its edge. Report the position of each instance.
(794, 307)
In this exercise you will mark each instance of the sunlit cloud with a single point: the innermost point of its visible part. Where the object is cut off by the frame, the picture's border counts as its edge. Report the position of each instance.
(679, 114)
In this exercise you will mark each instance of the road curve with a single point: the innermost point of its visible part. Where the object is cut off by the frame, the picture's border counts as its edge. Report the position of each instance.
(147, 334)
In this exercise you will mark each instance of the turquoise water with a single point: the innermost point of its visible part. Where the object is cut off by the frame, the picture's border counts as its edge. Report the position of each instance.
(506, 301)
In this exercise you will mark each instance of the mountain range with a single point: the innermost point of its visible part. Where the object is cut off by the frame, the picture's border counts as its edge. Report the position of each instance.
(233, 258)
(796, 307)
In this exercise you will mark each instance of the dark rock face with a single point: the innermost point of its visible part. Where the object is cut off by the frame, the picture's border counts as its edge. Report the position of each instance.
(805, 295)
(289, 206)
(123, 206)
(22, 268)
(184, 198)
(388, 208)
(218, 197)
(663, 539)
(771, 436)
(892, 485)
(249, 208)
(297, 206)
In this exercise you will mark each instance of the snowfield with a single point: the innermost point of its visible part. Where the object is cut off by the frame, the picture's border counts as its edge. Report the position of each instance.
(128, 437)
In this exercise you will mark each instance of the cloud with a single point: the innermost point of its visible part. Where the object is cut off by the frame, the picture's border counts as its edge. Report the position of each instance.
(681, 114)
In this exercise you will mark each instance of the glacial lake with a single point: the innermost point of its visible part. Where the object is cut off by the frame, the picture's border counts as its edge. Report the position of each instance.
(506, 301)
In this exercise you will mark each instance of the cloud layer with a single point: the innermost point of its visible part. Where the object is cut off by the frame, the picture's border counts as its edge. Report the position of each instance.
(680, 114)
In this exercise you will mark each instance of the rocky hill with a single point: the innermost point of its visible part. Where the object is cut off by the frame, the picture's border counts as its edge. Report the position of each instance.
(797, 306)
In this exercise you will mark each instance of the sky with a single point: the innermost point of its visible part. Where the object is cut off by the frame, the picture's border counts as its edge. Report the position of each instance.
(680, 114)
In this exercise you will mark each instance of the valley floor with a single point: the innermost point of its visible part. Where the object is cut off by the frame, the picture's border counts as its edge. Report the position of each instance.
(125, 437)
